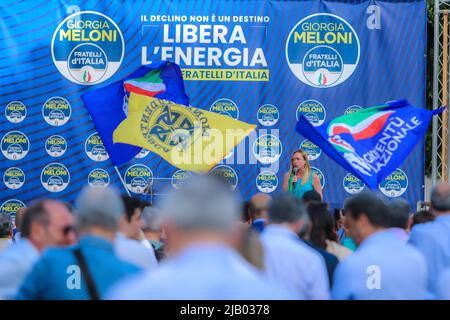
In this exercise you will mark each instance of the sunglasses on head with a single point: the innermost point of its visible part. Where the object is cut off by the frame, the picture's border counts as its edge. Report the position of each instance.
(68, 229)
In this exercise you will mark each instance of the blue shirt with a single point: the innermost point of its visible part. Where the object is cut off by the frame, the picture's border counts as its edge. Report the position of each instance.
(202, 271)
(15, 263)
(292, 263)
(432, 239)
(331, 261)
(258, 225)
(381, 268)
(349, 243)
(443, 286)
(53, 275)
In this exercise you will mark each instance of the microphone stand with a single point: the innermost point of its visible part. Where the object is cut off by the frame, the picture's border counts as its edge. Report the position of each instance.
(149, 188)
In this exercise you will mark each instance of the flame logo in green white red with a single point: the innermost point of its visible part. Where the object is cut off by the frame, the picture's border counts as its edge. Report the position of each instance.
(322, 78)
(87, 76)
(149, 85)
(367, 125)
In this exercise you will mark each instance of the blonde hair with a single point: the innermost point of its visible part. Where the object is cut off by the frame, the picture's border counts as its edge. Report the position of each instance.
(307, 169)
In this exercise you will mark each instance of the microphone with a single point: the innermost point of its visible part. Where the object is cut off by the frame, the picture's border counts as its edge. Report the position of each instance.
(294, 183)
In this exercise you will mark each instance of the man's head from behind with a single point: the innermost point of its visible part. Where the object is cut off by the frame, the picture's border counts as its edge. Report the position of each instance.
(399, 210)
(365, 214)
(310, 196)
(440, 198)
(19, 218)
(131, 224)
(151, 224)
(203, 210)
(98, 211)
(259, 205)
(5, 225)
(48, 223)
(287, 210)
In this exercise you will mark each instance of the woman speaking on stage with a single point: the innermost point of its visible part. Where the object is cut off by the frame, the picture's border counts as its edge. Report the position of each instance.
(300, 179)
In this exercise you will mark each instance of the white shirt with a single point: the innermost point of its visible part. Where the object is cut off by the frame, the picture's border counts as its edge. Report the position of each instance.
(200, 272)
(295, 265)
(15, 263)
(133, 251)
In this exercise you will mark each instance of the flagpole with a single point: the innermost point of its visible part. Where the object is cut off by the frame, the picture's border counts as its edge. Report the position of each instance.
(154, 174)
(123, 182)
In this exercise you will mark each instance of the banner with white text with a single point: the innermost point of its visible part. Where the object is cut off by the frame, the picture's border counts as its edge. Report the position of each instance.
(261, 62)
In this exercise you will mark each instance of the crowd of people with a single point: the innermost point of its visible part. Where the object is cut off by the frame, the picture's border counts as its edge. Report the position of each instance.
(201, 242)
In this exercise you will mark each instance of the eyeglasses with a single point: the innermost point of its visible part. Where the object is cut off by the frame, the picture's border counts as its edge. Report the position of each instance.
(67, 229)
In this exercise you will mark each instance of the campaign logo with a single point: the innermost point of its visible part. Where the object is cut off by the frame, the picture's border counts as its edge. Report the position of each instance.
(55, 177)
(311, 149)
(313, 111)
(395, 184)
(138, 177)
(267, 181)
(322, 50)
(11, 206)
(15, 145)
(15, 112)
(267, 149)
(353, 109)
(268, 115)
(95, 148)
(55, 146)
(56, 111)
(87, 47)
(142, 154)
(226, 107)
(320, 175)
(226, 173)
(98, 178)
(14, 178)
(179, 178)
(362, 125)
(352, 184)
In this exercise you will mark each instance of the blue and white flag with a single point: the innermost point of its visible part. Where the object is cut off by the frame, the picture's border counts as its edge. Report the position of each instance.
(373, 142)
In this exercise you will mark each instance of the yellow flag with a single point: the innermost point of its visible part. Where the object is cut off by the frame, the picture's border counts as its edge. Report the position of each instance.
(189, 138)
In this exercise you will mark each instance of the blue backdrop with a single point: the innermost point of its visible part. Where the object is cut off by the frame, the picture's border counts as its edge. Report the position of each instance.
(263, 62)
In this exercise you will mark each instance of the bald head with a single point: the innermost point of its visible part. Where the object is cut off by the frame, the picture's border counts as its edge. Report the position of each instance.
(100, 208)
(203, 203)
(259, 205)
(440, 197)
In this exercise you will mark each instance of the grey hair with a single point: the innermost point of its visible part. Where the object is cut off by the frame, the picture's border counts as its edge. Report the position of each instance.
(399, 211)
(151, 219)
(99, 207)
(203, 203)
(5, 224)
(286, 208)
(440, 197)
